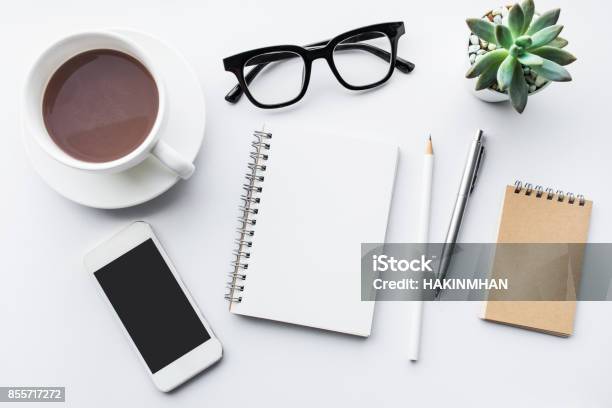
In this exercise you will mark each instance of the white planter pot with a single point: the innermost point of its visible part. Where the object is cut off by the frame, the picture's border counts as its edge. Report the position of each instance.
(487, 95)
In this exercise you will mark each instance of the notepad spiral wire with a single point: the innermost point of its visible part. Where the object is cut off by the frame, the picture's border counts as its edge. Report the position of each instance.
(247, 219)
(548, 193)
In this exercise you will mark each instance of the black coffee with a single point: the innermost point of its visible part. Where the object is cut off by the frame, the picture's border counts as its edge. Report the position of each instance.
(100, 105)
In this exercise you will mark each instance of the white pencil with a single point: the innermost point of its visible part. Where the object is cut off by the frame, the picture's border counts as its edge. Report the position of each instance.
(417, 309)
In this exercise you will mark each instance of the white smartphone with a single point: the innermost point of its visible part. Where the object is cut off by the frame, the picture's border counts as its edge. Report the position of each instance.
(158, 315)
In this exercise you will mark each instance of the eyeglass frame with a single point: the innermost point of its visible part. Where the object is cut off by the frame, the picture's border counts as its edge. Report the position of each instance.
(311, 52)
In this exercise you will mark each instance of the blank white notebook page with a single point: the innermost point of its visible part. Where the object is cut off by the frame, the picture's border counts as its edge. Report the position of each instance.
(322, 197)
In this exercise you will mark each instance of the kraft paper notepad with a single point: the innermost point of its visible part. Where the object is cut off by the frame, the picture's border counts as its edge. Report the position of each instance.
(309, 202)
(534, 216)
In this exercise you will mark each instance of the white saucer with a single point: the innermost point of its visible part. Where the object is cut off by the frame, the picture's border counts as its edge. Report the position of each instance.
(184, 132)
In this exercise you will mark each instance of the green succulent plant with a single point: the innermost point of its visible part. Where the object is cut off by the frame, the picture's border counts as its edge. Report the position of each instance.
(522, 41)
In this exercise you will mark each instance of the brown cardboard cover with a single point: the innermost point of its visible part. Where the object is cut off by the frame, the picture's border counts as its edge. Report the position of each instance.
(532, 219)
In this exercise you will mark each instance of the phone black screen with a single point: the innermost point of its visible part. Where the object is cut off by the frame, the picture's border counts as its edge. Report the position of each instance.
(151, 305)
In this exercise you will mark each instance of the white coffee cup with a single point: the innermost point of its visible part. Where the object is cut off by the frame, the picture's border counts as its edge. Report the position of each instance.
(56, 55)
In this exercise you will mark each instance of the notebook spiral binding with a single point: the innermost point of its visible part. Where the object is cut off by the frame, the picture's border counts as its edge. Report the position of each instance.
(247, 220)
(548, 193)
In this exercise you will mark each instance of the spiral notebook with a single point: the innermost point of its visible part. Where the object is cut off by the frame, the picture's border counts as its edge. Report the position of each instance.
(309, 201)
(536, 215)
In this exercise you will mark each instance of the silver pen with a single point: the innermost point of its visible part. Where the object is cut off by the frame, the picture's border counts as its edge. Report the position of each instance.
(468, 181)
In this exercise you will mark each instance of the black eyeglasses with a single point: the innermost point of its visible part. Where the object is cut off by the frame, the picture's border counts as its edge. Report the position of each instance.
(273, 77)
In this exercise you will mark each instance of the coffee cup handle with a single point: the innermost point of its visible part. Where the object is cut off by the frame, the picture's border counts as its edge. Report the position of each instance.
(173, 160)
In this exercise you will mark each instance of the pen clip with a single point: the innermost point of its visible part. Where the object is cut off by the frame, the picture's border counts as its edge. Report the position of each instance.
(477, 167)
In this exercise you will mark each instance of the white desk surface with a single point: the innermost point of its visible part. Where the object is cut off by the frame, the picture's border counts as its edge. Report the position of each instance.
(57, 331)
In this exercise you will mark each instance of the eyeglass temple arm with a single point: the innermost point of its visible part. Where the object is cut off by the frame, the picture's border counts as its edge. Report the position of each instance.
(400, 63)
(259, 64)
(236, 92)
